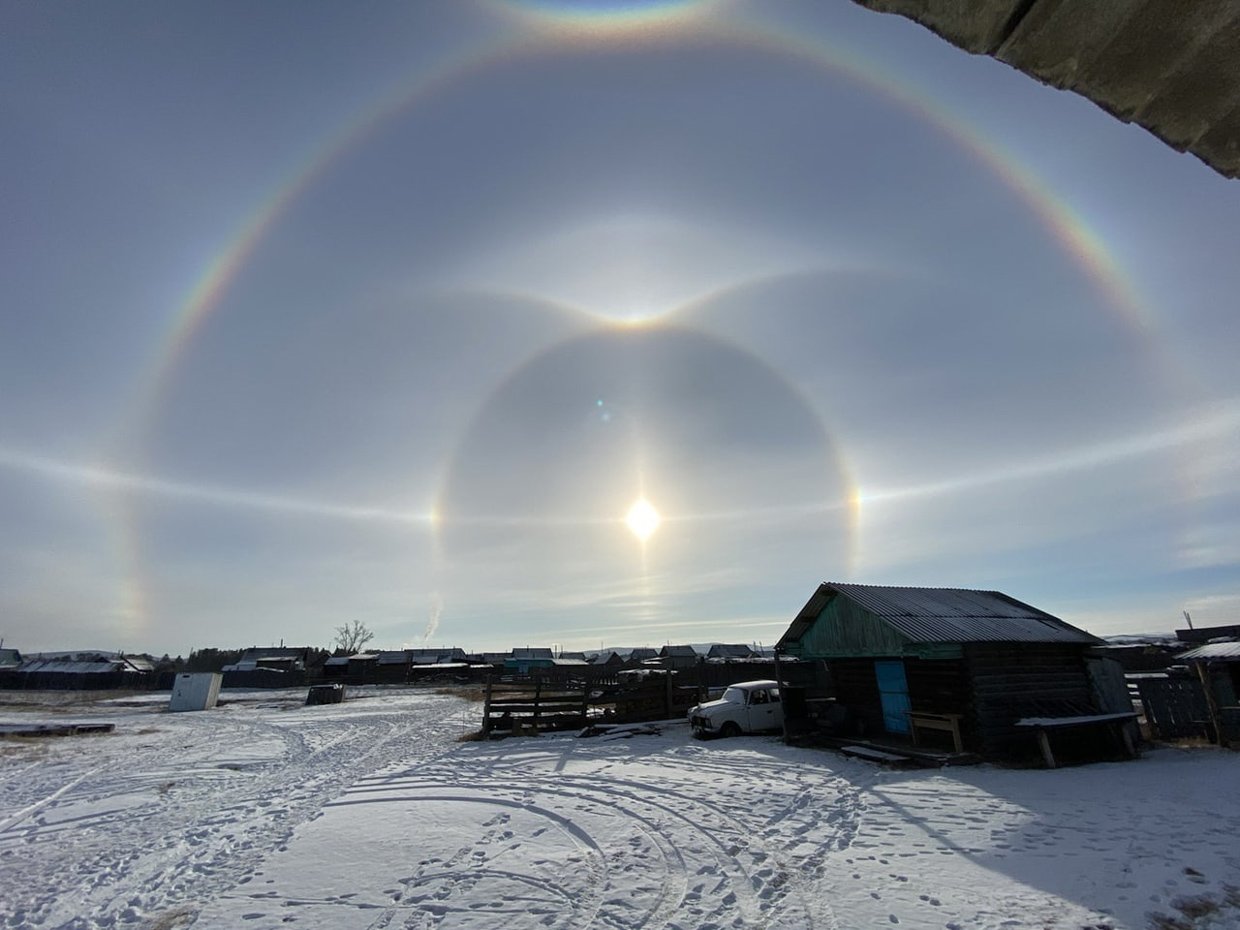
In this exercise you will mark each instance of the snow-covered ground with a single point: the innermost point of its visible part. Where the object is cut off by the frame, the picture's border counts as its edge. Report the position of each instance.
(263, 813)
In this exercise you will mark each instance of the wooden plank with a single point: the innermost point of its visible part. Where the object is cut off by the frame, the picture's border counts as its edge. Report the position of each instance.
(875, 755)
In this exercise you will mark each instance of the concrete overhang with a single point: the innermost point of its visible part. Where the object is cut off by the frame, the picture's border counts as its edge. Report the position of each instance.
(1171, 66)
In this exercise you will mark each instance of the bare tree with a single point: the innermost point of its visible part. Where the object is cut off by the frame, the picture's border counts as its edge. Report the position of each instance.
(353, 636)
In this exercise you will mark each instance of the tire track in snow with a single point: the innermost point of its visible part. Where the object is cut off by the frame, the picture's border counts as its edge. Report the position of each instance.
(763, 868)
(153, 831)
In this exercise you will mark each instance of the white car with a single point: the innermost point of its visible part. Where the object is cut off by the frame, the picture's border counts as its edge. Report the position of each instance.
(747, 707)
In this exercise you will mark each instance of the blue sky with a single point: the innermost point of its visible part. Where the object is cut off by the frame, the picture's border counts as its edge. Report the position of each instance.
(392, 313)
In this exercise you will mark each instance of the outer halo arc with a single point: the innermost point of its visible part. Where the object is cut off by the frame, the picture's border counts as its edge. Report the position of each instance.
(1077, 241)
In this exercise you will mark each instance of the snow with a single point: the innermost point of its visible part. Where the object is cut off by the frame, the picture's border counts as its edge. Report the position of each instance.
(263, 813)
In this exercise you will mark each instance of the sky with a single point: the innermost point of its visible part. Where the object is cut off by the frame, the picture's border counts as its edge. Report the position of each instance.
(397, 312)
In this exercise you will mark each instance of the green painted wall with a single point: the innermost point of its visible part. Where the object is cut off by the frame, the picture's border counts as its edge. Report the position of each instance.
(844, 630)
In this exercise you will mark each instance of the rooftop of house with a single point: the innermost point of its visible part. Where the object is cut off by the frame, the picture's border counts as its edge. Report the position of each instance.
(943, 615)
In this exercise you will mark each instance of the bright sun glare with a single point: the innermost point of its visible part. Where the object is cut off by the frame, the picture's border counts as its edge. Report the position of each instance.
(643, 519)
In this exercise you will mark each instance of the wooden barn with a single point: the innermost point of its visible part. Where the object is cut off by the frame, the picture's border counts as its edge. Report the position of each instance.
(969, 671)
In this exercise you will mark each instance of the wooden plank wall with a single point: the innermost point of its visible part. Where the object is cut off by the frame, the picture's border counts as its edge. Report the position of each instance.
(856, 688)
(1015, 680)
(938, 686)
(941, 686)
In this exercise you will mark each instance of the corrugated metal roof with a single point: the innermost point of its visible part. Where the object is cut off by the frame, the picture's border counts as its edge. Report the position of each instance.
(1213, 651)
(537, 652)
(733, 650)
(678, 651)
(1167, 65)
(71, 667)
(945, 615)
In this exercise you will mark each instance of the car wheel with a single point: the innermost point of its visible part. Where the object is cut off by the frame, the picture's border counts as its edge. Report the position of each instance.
(730, 729)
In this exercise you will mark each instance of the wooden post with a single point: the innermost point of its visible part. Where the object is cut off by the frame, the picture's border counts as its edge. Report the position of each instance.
(782, 706)
(486, 709)
(1044, 741)
(537, 700)
(667, 696)
(1204, 674)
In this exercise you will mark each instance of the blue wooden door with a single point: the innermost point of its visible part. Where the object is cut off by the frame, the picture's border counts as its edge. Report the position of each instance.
(893, 691)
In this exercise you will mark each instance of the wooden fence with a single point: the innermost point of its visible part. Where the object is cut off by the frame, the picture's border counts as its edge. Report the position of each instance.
(1175, 708)
(514, 707)
(560, 700)
(537, 705)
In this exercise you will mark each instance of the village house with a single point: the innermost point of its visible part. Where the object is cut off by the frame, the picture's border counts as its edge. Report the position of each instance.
(639, 655)
(80, 671)
(969, 671)
(523, 661)
(610, 660)
(678, 657)
(268, 667)
(730, 651)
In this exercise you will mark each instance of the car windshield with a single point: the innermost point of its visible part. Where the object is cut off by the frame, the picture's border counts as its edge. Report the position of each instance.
(734, 695)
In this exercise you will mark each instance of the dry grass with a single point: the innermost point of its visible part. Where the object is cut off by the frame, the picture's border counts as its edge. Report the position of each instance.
(170, 920)
(66, 700)
(26, 748)
(1198, 911)
(1196, 908)
(473, 693)
(1167, 922)
(1189, 742)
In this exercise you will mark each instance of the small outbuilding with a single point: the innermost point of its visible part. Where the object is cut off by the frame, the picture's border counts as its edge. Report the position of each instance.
(973, 671)
(195, 691)
(1218, 668)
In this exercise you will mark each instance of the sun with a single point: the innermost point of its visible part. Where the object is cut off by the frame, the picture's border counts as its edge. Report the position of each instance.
(643, 519)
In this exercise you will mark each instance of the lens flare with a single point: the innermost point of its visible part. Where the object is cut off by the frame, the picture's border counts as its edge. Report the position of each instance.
(643, 519)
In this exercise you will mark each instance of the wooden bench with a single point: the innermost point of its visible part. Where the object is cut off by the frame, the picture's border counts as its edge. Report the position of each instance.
(1114, 722)
(948, 722)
